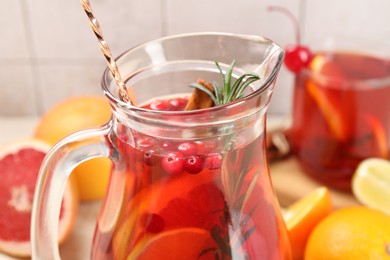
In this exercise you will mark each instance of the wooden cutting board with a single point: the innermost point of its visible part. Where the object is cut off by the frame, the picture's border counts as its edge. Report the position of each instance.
(291, 184)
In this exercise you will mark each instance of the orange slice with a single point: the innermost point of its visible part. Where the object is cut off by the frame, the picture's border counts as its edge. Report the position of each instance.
(179, 202)
(183, 243)
(302, 216)
(320, 65)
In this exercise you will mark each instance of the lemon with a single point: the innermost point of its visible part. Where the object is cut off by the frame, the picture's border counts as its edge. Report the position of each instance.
(371, 184)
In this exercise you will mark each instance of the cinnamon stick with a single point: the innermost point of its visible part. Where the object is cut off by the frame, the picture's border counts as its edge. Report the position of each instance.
(200, 99)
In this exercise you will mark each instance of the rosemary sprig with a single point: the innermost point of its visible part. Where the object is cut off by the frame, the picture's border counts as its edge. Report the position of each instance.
(228, 92)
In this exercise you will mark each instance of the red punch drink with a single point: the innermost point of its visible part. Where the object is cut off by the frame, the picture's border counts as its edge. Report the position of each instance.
(189, 177)
(190, 199)
(341, 115)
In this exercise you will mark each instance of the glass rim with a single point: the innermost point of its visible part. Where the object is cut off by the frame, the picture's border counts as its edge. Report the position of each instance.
(105, 86)
(329, 81)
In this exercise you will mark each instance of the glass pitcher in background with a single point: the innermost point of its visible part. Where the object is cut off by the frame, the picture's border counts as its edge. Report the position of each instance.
(341, 108)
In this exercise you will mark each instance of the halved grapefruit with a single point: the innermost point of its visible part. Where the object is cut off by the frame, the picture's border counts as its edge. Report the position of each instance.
(19, 167)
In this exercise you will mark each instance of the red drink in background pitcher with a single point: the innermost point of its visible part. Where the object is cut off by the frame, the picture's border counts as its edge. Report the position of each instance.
(341, 115)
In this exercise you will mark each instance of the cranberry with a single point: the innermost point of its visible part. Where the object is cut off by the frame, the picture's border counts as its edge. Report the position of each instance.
(194, 164)
(173, 163)
(154, 223)
(297, 57)
(150, 158)
(188, 149)
(160, 105)
(213, 161)
(178, 104)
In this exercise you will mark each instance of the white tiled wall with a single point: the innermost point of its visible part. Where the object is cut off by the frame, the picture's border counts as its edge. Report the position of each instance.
(48, 51)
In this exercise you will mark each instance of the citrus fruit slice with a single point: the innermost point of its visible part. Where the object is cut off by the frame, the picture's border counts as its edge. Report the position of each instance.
(175, 202)
(302, 216)
(371, 183)
(182, 243)
(19, 167)
(321, 66)
(350, 233)
(71, 115)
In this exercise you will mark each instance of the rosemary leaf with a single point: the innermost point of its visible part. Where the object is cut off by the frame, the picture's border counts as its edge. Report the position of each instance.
(223, 245)
(198, 86)
(224, 90)
(247, 235)
(228, 91)
(206, 251)
(246, 84)
(218, 93)
(250, 188)
(240, 181)
(228, 81)
(235, 86)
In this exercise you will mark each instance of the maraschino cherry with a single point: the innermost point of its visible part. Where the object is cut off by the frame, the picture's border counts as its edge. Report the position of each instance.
(297, 56)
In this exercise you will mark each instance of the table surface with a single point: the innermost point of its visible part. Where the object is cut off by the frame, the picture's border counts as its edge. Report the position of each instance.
(289, 183)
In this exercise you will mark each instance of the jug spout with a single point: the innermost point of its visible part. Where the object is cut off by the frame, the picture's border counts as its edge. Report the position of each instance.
(269, 67)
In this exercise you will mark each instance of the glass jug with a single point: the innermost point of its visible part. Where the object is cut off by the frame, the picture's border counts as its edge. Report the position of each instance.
(341, 101)
(184, 184)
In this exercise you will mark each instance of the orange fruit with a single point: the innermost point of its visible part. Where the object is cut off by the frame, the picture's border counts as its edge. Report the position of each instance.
(69, 116)
(182, 243)
(19, 167)
(177, 202)
(322, 68)
(302, 216)
(349, 234)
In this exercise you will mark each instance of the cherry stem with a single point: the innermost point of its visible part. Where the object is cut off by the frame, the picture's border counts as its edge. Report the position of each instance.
(292, 18)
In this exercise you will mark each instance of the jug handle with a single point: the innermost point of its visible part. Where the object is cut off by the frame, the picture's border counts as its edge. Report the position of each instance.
(55, 170)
